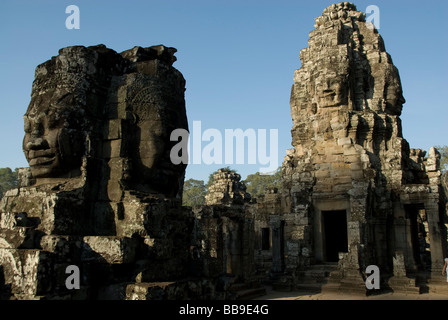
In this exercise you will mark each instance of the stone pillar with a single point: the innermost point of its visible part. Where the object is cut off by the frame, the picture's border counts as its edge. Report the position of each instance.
(436, 238)
(278, 260)
(402, 243)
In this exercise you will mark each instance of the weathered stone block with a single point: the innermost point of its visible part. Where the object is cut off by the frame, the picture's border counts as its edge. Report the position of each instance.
(357, 174)
(113, 149)
(292, 248)
(113, 131)
(113, 250)
(356, 166)
(342, 187)
(322, 174)
(28, 272)
(349, 150)
(339, 173)
(345, 141)
(319, 188)
(64, 248)
(352, 159)
(334, 158)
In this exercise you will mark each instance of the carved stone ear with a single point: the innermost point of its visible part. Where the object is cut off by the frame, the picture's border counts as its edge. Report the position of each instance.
(65, 149)
(71, 146)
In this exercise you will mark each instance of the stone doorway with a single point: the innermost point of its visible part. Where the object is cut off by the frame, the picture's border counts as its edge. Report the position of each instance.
(335, 238)
(419, 235)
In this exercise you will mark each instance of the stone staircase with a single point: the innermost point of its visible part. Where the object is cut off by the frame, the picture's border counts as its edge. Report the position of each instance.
(248, 290)
(316, 278)
(407, 285)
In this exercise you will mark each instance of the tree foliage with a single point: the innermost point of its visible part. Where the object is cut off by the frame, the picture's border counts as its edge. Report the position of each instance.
(8, 180)
(444, 166)
(257, 183)
(194, 193)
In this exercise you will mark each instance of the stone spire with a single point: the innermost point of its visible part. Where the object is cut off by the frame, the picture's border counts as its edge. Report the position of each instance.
(227, 189)
(349, 154)
(347, 93)
(346, 64)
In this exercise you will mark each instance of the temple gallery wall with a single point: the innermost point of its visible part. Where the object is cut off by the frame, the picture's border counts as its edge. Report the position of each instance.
(101, 193)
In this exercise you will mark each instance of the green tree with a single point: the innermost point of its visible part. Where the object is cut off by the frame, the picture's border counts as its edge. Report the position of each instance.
(444, 166)
(257, 183)
(194, 193)
(8, 180)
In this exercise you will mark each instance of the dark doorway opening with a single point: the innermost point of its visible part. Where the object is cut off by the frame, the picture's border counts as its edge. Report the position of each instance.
(265, 239)
(335, 234)
(419, 238)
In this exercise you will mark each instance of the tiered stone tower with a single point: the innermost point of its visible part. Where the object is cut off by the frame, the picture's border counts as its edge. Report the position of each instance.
(353, 193)
(227, 189)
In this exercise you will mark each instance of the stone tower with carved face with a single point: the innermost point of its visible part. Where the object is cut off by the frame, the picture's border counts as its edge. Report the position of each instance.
(348, 197)
(102, 193)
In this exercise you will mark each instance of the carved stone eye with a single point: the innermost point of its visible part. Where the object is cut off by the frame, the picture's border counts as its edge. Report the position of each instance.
(52, 119)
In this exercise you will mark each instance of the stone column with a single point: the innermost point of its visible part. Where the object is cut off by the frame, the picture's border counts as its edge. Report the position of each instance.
(436, 238)
(402, 242)
(278, 261)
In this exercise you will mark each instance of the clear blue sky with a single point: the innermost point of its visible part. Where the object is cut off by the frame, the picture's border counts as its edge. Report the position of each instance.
(237, 56)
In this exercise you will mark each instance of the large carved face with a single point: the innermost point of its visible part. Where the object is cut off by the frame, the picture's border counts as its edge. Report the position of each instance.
(394, 95)
(67, 93)
(157, 110)
(331, 90)
(54, 139)
(148, 107)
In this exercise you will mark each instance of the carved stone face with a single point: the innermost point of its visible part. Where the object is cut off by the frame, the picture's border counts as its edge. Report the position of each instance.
(331, 91)
(157, 110)
(64, 90)
(53, 145)
(394, 97)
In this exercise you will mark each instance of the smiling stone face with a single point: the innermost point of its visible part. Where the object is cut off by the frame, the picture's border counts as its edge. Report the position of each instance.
(66, 104)
(331, 91)
(53, 145)
(92, 107)
(55, 122)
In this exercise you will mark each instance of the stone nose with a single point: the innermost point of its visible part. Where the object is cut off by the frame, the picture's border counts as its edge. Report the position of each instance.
(327, 86)
(36, 144)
